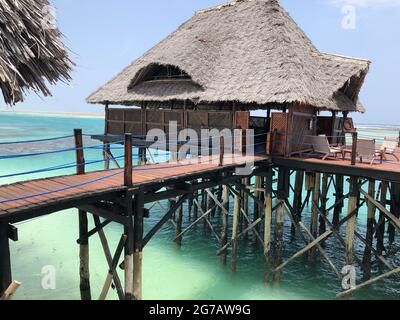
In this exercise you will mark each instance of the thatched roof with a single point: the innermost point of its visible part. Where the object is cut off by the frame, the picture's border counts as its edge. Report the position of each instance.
(31, 50)
(248, 51)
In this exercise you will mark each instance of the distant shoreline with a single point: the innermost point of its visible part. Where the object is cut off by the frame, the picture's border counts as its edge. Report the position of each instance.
(55, 114)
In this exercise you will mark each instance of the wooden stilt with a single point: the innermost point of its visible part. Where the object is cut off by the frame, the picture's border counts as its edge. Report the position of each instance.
(315, 210)
(195, 208)
(129, 243)
(138, 245)
(224, 232)
(394, 208)
(339, 195)
(381, 229)
(352, 207)
(83, 225)
(179, 220)
(297, 198)
(5, 260)
(257, 211)
(283, 186)
(324, 201)
(245, 207)
(267, 225)
(236, 212)
(204, 198)
(84, 257)
(370, 231)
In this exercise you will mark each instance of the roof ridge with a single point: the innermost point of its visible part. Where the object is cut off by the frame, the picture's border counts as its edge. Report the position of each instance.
(343, 57)
(226, 5)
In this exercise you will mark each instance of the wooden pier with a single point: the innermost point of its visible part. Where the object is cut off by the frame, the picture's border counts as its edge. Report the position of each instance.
(278, 187)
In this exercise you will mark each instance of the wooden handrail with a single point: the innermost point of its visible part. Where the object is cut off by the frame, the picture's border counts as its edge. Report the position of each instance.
(128, 180)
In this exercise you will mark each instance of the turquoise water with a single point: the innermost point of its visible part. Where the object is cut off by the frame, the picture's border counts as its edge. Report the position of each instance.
(192, 272)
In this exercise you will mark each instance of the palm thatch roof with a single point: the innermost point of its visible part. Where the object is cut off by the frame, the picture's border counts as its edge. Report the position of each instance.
(32, 53)
(247, 51)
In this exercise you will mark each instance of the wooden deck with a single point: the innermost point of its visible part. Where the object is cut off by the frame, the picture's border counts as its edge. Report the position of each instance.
(389, 170)
(64, 192)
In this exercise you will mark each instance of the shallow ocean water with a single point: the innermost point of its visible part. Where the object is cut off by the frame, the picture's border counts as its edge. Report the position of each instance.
(192, 272)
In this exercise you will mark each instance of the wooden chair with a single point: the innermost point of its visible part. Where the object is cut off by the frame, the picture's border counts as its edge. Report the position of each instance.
(320, 144)
(389, 147)
(367, 148)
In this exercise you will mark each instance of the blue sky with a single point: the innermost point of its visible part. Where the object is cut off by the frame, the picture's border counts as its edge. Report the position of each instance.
(106, 35)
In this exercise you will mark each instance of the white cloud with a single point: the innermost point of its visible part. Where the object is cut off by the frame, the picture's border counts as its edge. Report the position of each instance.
(368, 3)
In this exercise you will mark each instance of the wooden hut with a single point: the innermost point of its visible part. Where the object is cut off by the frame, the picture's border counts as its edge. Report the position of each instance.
(32, 54)
(227, 61)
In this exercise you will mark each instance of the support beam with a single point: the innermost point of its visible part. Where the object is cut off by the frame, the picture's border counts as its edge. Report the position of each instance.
(370, 231)
(297, 198)
(267, 225)
(225, 222)
(316, 181)
(107, 254)
(324, 201)
(178, 231)
(381, 230)
(339, 194)
(138, 245)
(5, 260)
(352, 208)
(282, 193)
(84, 257)
(236, 213)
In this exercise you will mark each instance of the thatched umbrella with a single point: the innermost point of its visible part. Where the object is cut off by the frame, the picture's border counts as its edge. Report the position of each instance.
(31, 51)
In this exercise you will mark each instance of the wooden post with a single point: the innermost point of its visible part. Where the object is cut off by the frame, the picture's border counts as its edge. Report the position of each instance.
(315, 210)
(128, 180)
(352, 207)
(267, 224)
(129, 231)
(257, 211)
(221, 151)
(195, 208)
(338, 196)
(280, 218)
(245, 207)
(324, 201)
(236, 213)
(370, 231)
(106, 145)
(395, 209)
(179, 222)
(5, 260)
(224, 232)
(83, 224)
(297, 199)
(138, 245)
(354, 148)
(380, 233)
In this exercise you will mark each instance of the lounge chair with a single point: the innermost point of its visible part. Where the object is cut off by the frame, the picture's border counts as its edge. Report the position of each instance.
(389, 147)
(320, 144)
(366, 148)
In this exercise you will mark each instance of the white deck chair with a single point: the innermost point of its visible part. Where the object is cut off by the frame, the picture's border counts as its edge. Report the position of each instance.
(321, 145)
(389, 147)
(366, 148)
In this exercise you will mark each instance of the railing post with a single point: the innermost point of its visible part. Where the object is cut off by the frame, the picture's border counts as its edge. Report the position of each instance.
(221, 150)
(354, 148)
(128, 160)
(80, 159)
(244, 141)
(268, 144)
(84, 274)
